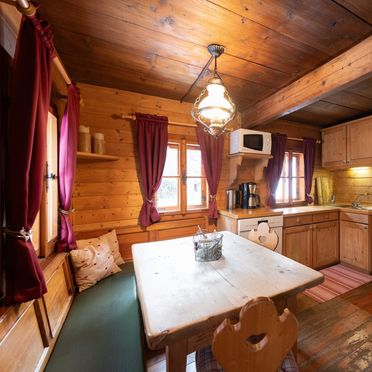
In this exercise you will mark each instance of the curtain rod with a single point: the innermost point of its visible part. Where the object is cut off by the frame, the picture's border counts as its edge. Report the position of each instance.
(29, 10)
(133, 117)
(300, 139)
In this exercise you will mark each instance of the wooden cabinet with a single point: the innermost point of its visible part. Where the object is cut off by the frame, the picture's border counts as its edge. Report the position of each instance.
(334, 146)
(359, 139)
(354, 244)
(312, 244)
(325, 244)
(348, 145)
(298, 243)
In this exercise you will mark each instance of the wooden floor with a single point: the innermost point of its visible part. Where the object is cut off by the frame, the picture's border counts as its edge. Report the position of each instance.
(334, 336)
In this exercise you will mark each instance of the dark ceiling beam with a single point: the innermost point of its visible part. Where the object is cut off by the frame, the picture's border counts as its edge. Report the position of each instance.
(347, 69)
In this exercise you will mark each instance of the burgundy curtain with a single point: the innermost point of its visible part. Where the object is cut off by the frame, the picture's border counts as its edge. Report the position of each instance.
(67, 166)
(152, 143)
(25, 157)
(308, 147)
(211, 148)
(275, 166)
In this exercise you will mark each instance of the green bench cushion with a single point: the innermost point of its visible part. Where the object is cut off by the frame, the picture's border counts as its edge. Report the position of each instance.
(102, 331)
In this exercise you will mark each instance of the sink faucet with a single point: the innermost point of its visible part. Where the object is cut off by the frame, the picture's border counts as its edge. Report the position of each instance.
(356, 202)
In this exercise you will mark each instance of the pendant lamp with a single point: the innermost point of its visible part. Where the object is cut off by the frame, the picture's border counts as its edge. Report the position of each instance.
(214, 108)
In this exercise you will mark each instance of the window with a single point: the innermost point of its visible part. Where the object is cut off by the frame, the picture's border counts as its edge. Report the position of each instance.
(291, 187)
(183, 187)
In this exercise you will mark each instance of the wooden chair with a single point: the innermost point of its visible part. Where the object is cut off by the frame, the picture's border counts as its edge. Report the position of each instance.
(261, 341)
(264, 236)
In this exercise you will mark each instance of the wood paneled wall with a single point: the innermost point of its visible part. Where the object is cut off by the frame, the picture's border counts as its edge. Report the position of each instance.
(108, 195)
(349, 183)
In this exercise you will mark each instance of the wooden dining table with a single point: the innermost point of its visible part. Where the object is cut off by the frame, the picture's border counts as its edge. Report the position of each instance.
(183, 300)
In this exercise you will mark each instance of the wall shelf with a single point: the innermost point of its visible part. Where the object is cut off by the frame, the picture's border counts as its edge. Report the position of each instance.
(236, 161)
(244, 155)
(95, 157)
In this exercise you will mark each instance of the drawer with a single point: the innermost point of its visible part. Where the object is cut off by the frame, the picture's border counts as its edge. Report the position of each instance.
(324, 217)
(354, 217)
(298, 220)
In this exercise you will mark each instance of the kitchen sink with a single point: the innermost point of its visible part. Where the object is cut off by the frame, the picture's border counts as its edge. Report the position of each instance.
(365, 208)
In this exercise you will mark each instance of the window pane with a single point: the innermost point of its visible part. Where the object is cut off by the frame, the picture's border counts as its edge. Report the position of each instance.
(298, 189)
(298, 165)
(167, 195)
(196, 193)
(282, 191)
(285, 170)
(171, 167)
(194, 162)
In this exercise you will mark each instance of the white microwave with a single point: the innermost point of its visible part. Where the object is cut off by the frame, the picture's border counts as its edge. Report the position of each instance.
(250, 141)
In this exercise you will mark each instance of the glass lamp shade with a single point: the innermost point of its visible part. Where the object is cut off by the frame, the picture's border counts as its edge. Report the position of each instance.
(214, 108)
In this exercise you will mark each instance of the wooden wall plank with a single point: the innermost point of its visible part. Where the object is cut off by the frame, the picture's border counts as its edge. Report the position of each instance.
(107, 195)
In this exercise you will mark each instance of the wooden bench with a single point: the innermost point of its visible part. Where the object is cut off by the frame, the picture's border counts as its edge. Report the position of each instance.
(103, 330)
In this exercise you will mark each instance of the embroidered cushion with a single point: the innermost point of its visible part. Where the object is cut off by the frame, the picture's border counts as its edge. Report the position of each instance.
(92, 264)
(110, 239)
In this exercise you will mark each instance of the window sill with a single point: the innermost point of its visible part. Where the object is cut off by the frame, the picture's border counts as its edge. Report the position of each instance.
(181, 214)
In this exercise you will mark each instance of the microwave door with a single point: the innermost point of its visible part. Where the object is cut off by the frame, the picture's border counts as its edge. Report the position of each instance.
(253, 141)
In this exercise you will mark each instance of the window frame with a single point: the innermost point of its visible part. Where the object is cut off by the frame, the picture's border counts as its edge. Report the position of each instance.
(183, 145)
(292, 149)
(49, 221)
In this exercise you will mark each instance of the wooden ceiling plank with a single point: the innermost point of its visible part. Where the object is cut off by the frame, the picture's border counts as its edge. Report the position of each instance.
(139, 58)
(193, 21)
(320, 24)
(350, 100)
(350, 67)
(361, 8)
(324, 114)
(122, 77)
(364, 88)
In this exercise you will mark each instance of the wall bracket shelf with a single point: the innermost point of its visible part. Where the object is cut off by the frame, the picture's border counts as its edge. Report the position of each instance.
(236, 161)
(87, 156)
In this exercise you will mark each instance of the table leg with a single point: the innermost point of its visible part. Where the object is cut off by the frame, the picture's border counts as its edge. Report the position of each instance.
(176, 356)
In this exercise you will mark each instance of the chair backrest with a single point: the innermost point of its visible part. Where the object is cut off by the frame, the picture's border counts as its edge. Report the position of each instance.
(264, 236)
(259, 341)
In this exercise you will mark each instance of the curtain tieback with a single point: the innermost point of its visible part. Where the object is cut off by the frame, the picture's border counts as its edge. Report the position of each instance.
(66, 212)
(21, 234)
(151, 201)
(212, 197)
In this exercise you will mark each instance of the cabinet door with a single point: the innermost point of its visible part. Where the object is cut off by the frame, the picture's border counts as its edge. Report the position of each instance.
(359, 139)
(298, 242)
(334, 146)
(354, 244)
(325, 244)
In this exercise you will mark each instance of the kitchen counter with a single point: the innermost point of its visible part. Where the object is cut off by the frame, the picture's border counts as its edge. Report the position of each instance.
(240, 213)
(294, 211)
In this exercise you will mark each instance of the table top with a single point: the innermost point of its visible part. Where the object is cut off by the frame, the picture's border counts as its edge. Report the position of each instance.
(178, 294)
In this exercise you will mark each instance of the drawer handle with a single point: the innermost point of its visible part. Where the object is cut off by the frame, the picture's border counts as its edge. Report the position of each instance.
(298, 219)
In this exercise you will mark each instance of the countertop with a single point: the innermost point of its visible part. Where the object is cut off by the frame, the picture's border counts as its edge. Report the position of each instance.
(240, 213)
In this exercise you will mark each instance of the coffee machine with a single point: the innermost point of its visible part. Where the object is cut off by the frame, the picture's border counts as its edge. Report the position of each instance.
(247, 195)
(253, 198)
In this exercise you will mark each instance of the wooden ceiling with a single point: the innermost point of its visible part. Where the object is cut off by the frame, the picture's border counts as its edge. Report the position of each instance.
(159, 47)
(349, 104)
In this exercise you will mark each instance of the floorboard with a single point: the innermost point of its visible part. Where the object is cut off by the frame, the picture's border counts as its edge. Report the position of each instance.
(334, 336)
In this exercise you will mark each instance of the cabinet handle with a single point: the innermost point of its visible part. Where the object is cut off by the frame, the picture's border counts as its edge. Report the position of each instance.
(343, 161)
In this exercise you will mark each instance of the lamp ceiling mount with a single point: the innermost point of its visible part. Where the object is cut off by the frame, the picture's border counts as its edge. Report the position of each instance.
(216, 50)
